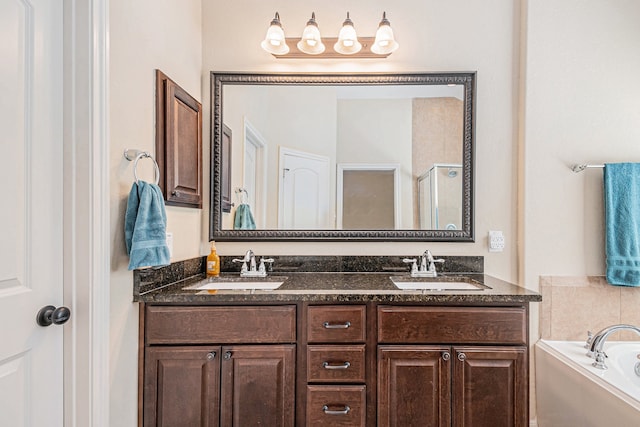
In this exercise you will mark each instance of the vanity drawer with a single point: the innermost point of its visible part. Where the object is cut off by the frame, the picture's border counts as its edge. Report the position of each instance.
(336, 323)
(343, 405)
(335, 363)
(222, 325)
(456, 325)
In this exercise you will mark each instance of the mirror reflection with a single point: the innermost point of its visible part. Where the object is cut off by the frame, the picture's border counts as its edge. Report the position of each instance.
(335, 157)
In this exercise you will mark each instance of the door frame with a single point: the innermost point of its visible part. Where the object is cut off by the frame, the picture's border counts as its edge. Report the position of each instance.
(397, 188)
(254, 138)
(86, 216)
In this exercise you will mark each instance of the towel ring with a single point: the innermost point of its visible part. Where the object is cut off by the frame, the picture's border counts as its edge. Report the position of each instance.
(141, 155)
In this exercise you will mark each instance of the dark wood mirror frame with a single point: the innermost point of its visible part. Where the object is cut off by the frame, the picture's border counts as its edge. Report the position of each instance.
(465, 234)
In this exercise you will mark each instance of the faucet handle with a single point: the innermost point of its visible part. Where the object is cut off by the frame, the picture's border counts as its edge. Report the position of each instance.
(244, 264)
(414, 263)
(589, 340)
(262, 268)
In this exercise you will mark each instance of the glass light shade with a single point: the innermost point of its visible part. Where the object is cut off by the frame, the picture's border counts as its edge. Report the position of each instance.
(347, 43)
(311, 42)
(384, 43)
(274, 42)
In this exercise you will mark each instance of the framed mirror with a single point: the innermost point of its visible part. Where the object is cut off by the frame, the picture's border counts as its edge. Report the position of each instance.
(343, 156)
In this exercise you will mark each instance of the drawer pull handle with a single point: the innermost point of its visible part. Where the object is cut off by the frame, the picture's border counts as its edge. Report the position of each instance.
(211, 356)
(446, 356)
(344, 365)
(462, 357)
(227, 355)
(328, 325)
(344, 411)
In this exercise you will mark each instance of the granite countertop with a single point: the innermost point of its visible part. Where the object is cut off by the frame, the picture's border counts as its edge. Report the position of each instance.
(335, 287)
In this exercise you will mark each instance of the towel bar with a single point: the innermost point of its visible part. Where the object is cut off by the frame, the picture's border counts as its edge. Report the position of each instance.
(580, 168)
(135, 156)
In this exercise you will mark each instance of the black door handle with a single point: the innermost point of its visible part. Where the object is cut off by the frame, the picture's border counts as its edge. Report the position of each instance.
(49, 314)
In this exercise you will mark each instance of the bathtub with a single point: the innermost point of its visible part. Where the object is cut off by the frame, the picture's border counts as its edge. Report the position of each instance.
(571, 392)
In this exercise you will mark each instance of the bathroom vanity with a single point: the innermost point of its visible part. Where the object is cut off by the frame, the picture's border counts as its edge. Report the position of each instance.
(332, 348)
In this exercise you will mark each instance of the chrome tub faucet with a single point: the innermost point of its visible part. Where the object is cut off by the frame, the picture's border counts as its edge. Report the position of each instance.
(596, 350)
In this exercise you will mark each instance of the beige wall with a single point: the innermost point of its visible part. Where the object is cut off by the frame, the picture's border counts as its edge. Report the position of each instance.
(144, 35)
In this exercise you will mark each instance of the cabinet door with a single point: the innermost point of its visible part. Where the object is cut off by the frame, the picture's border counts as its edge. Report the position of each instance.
(414, 386)
(490, 387)
(182, 386)
(258, 385)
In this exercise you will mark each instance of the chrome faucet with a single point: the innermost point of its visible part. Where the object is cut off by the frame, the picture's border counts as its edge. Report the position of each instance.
(427, 265)
(250, 268)
(596, 350)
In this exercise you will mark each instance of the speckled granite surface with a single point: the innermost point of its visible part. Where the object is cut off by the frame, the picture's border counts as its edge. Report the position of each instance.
(325, 279)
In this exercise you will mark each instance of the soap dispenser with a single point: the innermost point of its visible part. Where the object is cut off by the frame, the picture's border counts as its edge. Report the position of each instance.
(213, 262)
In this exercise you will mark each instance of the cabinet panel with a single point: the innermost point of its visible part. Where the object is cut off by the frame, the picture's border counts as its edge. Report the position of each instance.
(202, 325)
(414, 386)
(258, 386)
(335, 363)
(456, 325)
(490, 387)
(181, 386)
(336, 405)
(336, 323)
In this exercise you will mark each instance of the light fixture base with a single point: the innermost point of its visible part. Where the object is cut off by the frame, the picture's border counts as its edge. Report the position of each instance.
(365, 52)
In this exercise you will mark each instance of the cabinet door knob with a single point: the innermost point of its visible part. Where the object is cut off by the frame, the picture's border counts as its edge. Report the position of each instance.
(344, 411)
(462, 357)
(446, 356)
(211, 356)
(227, 355)
(344, 325)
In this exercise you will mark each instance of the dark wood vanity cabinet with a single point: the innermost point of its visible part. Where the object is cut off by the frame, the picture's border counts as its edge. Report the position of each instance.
(333, 365)
(434, 369)
(247, 380)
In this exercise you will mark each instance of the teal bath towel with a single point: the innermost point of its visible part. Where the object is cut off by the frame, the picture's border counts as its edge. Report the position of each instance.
(622, 223)
(145, 224)
(243, 219)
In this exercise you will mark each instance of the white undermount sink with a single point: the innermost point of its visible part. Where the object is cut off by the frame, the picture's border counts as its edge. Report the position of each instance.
(238, 283)
(436, 284)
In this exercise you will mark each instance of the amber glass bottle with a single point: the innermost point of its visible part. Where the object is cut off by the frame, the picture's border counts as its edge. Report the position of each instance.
(213, 262)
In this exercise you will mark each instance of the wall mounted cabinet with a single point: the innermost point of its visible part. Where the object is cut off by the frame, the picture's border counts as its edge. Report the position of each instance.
(178, 143)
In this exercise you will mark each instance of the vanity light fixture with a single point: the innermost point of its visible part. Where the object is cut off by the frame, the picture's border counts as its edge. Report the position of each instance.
(274, 42)
(311, 42)
(346, 45)
(385, 42)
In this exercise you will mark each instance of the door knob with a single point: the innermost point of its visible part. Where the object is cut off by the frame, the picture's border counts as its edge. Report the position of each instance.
(49, 314)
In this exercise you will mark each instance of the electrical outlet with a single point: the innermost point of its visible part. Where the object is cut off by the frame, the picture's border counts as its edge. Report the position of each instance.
(170, 243)
(496, 241)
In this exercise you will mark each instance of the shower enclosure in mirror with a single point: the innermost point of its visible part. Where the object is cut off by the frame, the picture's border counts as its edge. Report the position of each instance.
(439, 198)
(345, 157)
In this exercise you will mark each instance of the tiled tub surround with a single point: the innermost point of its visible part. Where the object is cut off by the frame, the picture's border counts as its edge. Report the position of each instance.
(573, 305)
(325, 278)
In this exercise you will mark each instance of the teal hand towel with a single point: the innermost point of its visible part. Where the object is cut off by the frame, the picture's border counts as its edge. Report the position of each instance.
(243, 219)
(145, 225)
(622, 223)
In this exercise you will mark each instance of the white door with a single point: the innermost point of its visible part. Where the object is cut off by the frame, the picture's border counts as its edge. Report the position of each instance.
(255, 181)
(304, 191)
(31, 263)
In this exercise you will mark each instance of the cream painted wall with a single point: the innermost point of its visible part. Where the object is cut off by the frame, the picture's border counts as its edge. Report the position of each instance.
(143, 35)
(581, 105)
(456, 35)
